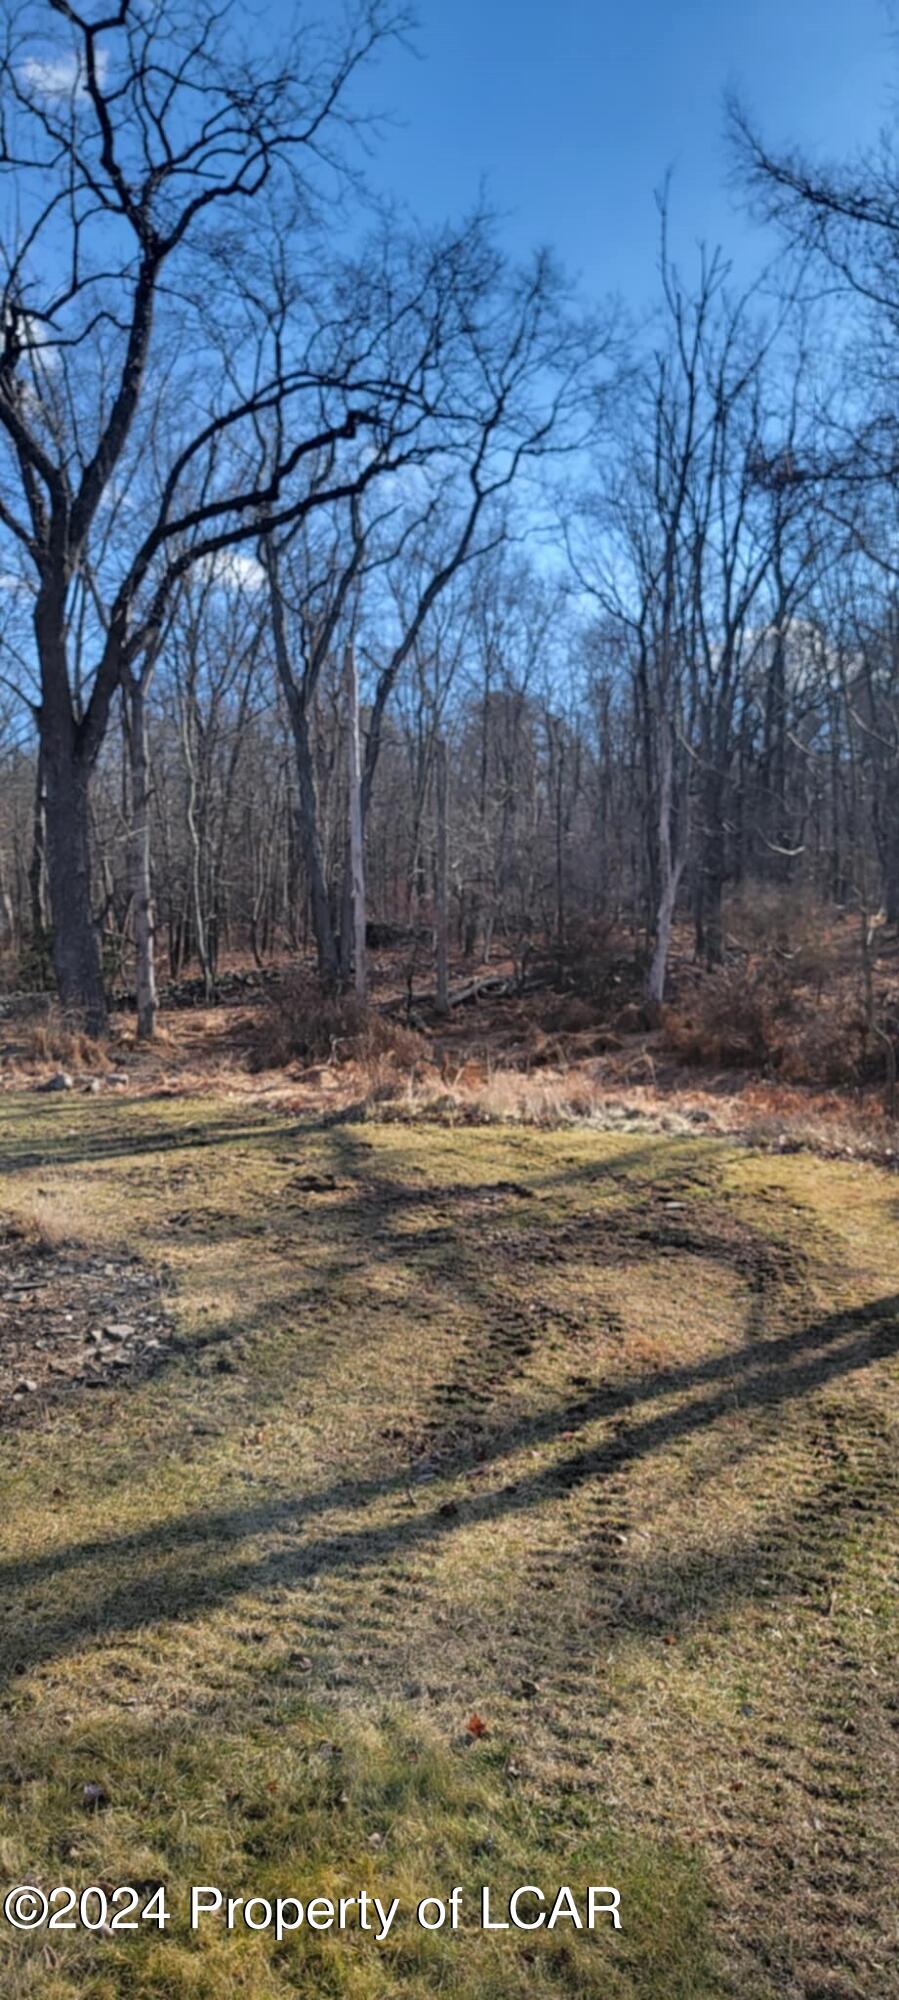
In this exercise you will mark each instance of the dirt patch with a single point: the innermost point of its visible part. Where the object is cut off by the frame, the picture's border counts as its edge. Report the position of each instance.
(71, 1321)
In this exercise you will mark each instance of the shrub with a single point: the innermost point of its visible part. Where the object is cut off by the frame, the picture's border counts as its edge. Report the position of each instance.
(733, 1019)
(786, 927)
(34, 970)
(568, 1013)
(299, 1024)
(831, 1045)
(754, 1018)
(592, 965)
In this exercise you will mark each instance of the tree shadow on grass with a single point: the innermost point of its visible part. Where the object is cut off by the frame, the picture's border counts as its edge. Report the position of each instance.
(88, 1145)
(181, 1569)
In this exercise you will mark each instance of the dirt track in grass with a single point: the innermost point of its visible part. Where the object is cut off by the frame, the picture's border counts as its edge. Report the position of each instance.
(593, 1434)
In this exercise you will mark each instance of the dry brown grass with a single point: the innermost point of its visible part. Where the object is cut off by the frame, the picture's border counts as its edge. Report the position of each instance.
(53, 1222)
(478, 1092)
(55, 1040)
(765, 1049)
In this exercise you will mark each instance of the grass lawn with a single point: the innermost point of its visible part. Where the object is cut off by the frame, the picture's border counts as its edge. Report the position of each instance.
(594, 1437)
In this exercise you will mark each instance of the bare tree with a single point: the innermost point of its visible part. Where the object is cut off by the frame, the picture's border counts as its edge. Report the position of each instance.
(507, 371)
(140, 141)
(356, 843)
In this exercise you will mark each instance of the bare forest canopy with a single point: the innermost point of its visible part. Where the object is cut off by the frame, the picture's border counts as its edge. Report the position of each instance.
(354, 576)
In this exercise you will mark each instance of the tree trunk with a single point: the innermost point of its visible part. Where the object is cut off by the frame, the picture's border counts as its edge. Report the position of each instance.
(711, 875)
(357, 855)
(76, 951)
(671, 864)
(66, 766)
(141, 880)
(37, 871)
(307, 828)
(560, 859)
(891, 870)
(307, 808)
(442, 924)
(346, 934)
(195, 835)
(655, 985)
(7, 912)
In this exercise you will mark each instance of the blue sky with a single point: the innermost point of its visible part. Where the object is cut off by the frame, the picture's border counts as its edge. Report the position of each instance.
(573, 109)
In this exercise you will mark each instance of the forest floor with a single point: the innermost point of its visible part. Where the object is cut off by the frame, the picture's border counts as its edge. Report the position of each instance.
(498, 1060)
(396, 1505)
(772, 1050)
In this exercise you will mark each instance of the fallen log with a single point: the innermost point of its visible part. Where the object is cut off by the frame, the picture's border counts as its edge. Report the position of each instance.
(497, 983)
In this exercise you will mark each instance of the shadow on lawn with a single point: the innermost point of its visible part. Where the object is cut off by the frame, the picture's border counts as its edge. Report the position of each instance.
(474, 1254)
(109, 1138)
(490, 1234)
(180, 1569)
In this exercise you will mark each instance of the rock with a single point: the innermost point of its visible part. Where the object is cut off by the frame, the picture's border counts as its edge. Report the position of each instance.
(94, 1797)
(25, 1388)
(116, 1076)
(94, 1086)
(119, 1329)
(61, 1081)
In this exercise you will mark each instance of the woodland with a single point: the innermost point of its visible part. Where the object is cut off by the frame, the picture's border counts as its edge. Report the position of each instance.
(449, 1018)
(428, 605)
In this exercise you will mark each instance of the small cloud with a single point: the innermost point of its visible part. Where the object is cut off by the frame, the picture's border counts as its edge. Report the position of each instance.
(35, 342)
(60, 76)
(40, 342)
(235, 570)
(412, 482)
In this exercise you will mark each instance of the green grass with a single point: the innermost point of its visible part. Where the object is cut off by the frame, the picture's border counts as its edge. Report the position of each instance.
(592, 1434)
(282, 1807)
